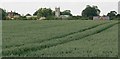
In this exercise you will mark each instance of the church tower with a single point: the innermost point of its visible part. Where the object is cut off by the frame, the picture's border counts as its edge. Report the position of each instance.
(57, 11)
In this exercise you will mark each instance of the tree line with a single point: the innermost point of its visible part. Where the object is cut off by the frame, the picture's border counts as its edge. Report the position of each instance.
(87, 14)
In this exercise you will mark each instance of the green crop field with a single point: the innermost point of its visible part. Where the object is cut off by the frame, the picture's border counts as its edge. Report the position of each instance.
(60, 38)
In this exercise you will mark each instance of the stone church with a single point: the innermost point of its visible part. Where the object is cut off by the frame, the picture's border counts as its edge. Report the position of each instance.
(58, 15)
(57, 11)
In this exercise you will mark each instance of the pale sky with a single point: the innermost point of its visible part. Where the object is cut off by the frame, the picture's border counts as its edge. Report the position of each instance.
(76, 6)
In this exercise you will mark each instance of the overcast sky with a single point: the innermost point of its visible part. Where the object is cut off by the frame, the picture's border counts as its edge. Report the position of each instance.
(76, 6)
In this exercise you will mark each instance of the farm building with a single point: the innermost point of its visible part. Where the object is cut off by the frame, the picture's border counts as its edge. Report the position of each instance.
(101, 18)
(42, 18)
(31, 17)
(64, 16)
(12, 15)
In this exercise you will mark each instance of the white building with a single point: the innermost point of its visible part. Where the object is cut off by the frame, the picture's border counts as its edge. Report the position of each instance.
(42, 18)
(101, 18)
(31, 17)
(64, 16)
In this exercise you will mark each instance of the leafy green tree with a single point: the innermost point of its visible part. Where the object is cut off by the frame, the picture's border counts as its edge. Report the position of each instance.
(23, 18)
(43, 12)
(66, 12)
(118, 15)
(35, 13)
(90, 11)
(112, 14)
(2, 14)
(28, 15)
(15, 13)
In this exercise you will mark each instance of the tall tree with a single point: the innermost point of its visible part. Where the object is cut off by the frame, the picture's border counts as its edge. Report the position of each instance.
(43, 12)
(118, 15)
(2, 14)
(28, 14)
(91, 11)
(66, 12)
(112, 14)
(15, 13)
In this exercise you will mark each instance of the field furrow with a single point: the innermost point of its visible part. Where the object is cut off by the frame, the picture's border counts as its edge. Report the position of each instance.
(57, 37)
(103, 44)
(23, 50)
(34, 32)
